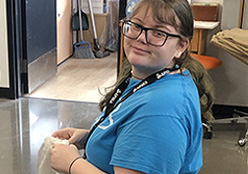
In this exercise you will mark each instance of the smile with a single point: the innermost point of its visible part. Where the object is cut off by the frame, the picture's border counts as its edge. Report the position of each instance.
(139, 50)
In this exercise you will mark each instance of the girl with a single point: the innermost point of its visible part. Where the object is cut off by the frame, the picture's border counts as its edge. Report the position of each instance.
(151, 120)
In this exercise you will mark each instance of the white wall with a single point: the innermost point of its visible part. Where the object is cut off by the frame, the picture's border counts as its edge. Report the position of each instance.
(209, 1)
(4, 66)
(245, 21)
(231, 79)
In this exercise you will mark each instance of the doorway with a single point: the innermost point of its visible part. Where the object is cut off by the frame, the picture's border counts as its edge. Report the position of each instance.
(75, 79)
(80, 80)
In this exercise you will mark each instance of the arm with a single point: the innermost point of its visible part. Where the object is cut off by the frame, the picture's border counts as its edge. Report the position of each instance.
(81, 166)
(63, 155)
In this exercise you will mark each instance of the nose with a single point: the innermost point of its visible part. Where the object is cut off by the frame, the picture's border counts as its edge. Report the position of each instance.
(142, 37)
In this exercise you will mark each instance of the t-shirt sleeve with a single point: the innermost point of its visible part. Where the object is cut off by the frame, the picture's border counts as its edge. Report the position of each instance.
(152, 144)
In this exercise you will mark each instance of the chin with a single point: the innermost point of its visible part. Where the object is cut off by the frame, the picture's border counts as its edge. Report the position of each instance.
(138, 61)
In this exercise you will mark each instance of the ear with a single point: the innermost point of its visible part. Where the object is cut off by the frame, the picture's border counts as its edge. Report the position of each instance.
(181, 47)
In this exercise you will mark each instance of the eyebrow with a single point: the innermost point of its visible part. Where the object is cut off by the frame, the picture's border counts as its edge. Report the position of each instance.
(156, 26)
(163, 26)
(138, 19)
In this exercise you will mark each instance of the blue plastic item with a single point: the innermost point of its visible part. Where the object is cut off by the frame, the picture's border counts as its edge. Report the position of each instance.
(130, 5)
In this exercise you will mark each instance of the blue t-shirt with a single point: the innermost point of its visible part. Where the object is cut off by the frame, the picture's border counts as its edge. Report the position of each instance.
(156, 130)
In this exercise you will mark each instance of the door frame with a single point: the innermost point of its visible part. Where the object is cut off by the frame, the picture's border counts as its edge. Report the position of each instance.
(38, 50)
(13, 91)
(19, 67)
(122, 14)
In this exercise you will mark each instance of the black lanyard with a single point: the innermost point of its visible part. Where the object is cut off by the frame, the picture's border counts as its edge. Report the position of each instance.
(112, 103)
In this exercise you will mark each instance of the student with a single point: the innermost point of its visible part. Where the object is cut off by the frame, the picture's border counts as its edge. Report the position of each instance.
(151, 120)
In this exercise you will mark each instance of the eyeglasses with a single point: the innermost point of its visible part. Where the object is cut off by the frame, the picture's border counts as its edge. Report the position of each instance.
(153, 36)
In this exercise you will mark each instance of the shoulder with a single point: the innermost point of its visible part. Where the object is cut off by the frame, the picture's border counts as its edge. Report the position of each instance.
(169, 96)
(179, 84)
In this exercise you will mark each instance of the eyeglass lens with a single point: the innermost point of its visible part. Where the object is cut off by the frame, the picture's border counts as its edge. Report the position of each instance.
(153, 36)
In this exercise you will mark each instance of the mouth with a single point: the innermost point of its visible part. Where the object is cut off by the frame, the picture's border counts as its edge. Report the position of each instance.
(139, 50)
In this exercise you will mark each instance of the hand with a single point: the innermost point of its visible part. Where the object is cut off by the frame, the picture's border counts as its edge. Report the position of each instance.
(73, 135)
(62, 156)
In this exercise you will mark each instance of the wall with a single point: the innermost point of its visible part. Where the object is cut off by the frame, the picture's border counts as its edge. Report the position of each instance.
(230, 79)
(209, 1)
(40, 28)
(4, 63)
(245, 21)
(40, 42)
(64, 31)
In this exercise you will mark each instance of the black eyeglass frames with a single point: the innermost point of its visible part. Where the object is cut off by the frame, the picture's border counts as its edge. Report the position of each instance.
(153, 36)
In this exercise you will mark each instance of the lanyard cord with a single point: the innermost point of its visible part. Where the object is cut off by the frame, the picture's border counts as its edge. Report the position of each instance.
(112, 103)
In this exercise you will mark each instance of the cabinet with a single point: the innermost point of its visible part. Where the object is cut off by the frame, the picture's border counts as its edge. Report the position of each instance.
(201, 28)
(198, 41)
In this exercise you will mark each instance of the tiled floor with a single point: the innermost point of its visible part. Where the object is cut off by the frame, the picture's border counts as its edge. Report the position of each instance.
(24, 124)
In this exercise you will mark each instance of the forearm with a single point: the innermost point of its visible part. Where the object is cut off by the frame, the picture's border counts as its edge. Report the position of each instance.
(82, 166)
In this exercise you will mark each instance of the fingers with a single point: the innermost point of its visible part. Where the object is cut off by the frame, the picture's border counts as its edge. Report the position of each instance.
(58, 133)
(71, 134)
(59, 145)
(73, 146)
(55, 134)
(73, 139)
(65, 133)
(62, 156)
(79, 136)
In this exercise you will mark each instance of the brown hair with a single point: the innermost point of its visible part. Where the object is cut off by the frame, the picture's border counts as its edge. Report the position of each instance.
(178, 14)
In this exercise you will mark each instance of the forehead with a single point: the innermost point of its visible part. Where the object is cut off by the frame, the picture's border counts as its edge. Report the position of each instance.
(146, 17)
(144, 12)
(159, 13)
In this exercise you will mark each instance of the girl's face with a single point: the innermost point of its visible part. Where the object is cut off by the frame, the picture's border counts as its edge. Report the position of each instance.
(145, 58)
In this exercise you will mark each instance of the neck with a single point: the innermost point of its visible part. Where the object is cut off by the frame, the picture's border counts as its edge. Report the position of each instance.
(138, 74)
(136, 77)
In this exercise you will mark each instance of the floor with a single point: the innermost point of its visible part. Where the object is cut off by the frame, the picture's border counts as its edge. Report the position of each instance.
(80, 80)
(26, 122)
(222, 154)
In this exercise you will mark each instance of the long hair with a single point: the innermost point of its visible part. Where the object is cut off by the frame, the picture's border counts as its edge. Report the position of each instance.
(178, 14)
